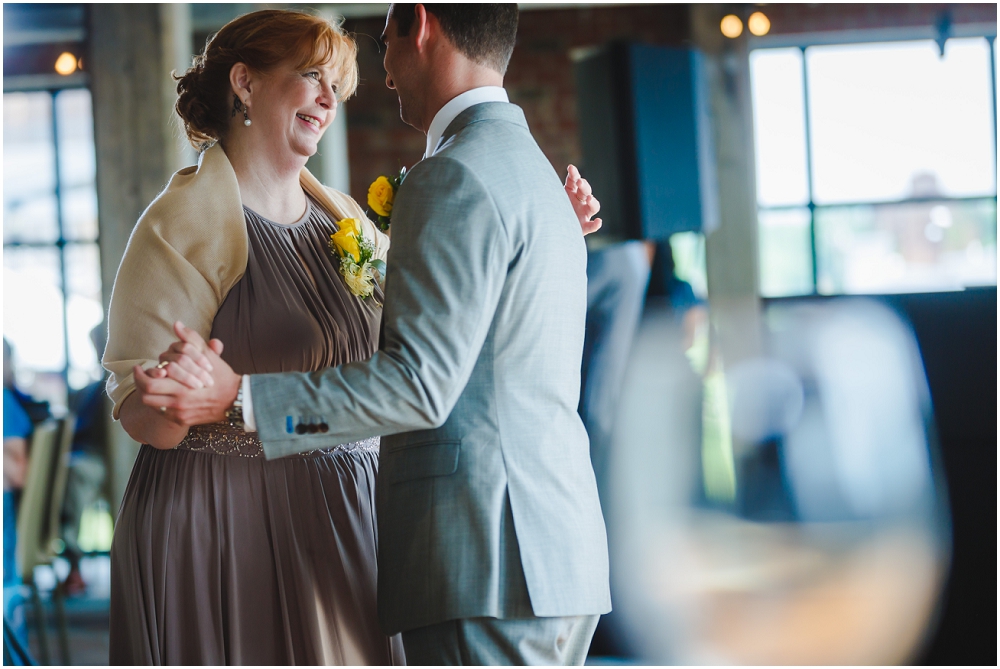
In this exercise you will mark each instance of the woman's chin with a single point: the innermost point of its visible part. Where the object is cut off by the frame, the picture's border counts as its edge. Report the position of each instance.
(306, 149)
(298, 155)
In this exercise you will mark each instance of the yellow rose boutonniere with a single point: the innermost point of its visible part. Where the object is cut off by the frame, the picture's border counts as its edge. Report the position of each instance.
(381, 195)
(356, 254)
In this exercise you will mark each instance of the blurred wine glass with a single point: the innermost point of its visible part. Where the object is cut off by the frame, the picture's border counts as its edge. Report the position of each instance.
(782, 509)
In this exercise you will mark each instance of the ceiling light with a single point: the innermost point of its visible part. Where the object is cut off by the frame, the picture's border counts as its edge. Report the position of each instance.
(66, 63)
(731, 26)
(758, 24)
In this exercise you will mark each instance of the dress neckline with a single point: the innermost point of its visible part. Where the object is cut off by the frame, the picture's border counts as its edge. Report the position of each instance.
(286, 226)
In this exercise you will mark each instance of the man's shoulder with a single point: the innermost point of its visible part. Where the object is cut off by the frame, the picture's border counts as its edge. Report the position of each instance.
(492, 154)
(448, 168)
(487, 132)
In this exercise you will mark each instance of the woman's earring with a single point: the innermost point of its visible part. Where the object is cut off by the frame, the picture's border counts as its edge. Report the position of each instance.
(238, 106)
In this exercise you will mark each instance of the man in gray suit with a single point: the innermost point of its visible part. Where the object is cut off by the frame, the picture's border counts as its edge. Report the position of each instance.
(492, 546)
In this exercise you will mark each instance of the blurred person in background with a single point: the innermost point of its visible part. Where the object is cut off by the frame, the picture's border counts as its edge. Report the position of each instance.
(664, 281)
(87, 466)
(38, 410)
(677, 295)
(620, 277)
(17, 430)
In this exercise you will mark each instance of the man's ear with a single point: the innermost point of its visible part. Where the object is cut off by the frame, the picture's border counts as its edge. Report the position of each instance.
(421, 26)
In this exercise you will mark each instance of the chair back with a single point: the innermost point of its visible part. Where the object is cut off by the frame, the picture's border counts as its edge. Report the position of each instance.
(38, 518)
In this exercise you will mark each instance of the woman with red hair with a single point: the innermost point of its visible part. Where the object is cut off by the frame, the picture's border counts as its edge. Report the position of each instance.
(220, 556)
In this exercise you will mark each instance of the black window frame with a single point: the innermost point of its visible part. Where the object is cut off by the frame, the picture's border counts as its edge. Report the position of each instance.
(51, 29)
(804, 43)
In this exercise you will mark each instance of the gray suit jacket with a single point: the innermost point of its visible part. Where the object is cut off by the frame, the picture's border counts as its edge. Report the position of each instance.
(485, 483)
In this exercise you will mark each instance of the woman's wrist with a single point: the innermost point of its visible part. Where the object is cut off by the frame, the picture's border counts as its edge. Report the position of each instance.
(148, 426)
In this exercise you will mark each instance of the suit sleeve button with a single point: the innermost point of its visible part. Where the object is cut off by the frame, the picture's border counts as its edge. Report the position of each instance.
(300, 429)
(324, 428)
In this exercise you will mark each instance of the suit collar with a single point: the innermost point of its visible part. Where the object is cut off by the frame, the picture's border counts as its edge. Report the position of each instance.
(487, 111)
(456, 106)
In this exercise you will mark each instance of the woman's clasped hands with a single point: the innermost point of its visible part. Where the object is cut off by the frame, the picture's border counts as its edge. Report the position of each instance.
(192, 385)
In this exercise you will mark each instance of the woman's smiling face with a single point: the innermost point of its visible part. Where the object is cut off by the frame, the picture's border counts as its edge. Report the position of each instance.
(291, 108)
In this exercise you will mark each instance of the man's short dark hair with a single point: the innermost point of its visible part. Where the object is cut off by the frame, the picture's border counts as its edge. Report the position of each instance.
(484, 33)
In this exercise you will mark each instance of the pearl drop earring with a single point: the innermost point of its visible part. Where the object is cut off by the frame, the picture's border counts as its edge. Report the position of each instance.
(238, 105)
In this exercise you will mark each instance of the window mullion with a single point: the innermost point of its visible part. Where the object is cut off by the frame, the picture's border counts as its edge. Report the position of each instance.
(992, 41)
(61, 242)
(809, 174)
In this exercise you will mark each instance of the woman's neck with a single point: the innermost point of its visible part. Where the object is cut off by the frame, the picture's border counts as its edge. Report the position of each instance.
(267, 187)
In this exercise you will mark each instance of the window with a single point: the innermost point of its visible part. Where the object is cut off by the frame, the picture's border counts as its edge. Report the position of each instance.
(876, 167)
(51, 264)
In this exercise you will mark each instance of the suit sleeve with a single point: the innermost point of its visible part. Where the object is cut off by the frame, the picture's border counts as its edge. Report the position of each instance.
(446, 270)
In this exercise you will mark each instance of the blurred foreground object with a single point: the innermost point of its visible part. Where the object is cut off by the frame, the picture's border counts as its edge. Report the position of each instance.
(792, 518)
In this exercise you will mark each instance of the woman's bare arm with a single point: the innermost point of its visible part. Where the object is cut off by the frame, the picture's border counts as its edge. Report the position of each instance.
(148, 426)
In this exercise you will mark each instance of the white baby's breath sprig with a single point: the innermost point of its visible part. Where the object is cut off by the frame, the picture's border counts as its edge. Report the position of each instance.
(358, 264)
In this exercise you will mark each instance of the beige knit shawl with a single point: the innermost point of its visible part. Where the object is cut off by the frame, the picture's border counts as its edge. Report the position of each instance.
(185, 254)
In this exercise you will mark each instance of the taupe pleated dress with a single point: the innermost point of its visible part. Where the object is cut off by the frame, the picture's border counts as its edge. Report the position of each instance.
(222, 557)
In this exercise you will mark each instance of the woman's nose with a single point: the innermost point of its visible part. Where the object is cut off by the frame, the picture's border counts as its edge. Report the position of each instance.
(328, 98)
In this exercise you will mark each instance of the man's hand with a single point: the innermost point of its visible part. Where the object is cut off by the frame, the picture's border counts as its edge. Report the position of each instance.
(195, 386)
(584, 203)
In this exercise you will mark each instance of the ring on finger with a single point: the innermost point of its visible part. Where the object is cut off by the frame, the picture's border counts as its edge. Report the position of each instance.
(163, 409)
(163, 364)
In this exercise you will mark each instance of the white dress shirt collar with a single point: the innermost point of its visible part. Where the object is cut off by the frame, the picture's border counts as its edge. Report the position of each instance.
(456, 106)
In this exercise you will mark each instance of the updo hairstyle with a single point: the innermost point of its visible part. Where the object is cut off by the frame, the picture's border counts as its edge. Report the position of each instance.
(261, 40)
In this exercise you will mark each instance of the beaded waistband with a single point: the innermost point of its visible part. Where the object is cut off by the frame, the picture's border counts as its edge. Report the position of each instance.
(224, 439)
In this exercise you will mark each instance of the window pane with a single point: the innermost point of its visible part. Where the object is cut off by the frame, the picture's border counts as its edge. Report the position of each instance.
(84, 311)
(33, 320)
(779, 126)
(80, 213)
(77, 164)
(29, 209)
(892, 121)
(912, 247)
(785, 255)
(29, 219)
